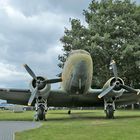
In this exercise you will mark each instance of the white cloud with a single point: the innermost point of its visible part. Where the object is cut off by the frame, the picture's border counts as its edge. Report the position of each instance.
(9, 72)
(11, 77)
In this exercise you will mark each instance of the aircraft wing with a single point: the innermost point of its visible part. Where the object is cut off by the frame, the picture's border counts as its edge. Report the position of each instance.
(62, 99)
(21, 97)
(15, 96)
(59, 98)
(126, 98)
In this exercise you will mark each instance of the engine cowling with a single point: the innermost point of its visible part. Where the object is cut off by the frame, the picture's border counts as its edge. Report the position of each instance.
(118, 90)
(43, 89)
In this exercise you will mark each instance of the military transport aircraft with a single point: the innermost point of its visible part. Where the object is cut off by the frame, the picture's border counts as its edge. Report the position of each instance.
(75, 90)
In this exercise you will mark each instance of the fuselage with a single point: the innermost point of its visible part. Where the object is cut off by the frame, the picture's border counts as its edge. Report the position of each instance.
(77, 72)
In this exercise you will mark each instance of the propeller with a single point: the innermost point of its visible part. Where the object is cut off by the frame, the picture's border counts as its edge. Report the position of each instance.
(33, 95)
(116, 83)
(31, 73)
(39, 83)
(128, 88)
(106, 91)
(114, 68)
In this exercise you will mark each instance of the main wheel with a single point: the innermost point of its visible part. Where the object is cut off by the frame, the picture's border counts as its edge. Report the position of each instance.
(69, 112)
(109, 112)
(40, 113)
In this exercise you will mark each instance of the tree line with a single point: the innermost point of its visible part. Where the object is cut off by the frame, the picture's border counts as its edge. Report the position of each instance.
(112, 31)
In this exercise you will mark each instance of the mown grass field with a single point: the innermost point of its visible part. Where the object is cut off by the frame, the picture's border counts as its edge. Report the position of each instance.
(80, 125)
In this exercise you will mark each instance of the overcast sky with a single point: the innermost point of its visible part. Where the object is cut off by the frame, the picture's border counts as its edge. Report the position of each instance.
(30, 31)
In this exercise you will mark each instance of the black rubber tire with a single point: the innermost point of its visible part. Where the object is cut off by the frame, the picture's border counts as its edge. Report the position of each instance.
(40, 114)
(69, 112)
(109, 112)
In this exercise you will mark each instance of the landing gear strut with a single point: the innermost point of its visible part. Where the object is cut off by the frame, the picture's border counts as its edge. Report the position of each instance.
(109, 108)
(41, 110)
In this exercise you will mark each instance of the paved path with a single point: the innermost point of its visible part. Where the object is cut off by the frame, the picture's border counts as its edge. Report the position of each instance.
(8, 128)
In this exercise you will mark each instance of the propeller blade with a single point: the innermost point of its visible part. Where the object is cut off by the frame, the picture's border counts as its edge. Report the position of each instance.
(129, 88)
(32, 96)
(28, 69)
(106, 91)
(50, 81)
(114, 67)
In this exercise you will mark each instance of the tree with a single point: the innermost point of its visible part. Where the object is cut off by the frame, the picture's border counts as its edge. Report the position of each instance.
(112, 32)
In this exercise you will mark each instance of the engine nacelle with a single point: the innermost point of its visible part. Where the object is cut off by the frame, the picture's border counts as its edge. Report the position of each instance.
(118, 90)
(43, 89)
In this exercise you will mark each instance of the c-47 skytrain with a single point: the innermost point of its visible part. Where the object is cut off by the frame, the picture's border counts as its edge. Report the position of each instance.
(75, 90)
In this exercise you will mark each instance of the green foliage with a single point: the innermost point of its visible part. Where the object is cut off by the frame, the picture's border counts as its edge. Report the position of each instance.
(112, 31)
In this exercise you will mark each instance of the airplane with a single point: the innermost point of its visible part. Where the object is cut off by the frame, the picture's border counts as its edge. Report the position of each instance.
(75, 89)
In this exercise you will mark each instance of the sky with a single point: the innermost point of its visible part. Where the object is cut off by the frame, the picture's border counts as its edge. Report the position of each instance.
(30, 32)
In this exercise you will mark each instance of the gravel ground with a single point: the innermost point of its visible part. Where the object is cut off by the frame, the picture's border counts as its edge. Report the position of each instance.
(8, 128)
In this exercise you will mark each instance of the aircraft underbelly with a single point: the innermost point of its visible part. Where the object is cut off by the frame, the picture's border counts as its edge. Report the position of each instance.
(75, 101)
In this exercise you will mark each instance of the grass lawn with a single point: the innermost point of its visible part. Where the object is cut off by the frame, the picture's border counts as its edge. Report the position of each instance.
(80, 125)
